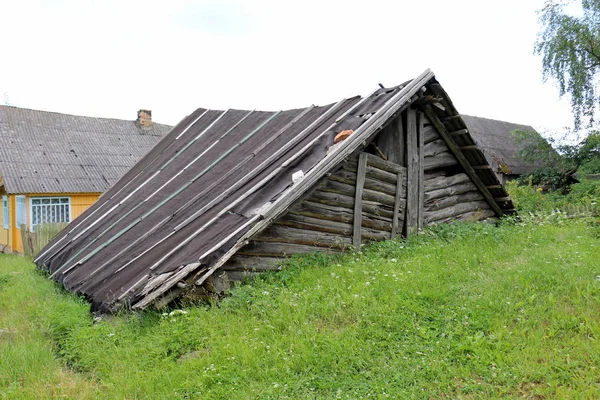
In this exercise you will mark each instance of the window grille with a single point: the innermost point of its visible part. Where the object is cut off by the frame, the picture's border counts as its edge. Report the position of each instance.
(50, 210)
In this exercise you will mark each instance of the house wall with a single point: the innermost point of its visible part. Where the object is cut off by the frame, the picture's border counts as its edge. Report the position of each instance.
(13, 236)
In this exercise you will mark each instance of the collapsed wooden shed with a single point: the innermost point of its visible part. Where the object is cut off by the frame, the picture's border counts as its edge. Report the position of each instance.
(236, 191)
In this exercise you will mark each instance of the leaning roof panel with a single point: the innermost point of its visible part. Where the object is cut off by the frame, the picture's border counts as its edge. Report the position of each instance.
(214, 181)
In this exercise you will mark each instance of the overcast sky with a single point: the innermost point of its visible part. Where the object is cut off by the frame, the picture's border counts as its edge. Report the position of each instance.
(111, 58)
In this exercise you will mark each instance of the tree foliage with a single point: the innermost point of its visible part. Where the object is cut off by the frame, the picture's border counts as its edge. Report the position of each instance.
(570, 50)
(562, 161)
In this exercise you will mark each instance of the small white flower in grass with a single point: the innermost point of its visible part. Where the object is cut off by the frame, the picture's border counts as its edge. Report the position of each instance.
(394, 260)
(110, 335)
(265, 292)
(367, 283)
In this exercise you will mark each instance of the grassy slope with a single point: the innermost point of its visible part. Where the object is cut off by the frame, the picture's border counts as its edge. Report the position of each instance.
(473, 312)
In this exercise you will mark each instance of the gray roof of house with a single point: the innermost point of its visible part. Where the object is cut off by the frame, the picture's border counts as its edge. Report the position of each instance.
(49, 152)
(495, 138)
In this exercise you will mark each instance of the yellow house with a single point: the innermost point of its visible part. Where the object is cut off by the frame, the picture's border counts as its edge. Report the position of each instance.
(54, 166)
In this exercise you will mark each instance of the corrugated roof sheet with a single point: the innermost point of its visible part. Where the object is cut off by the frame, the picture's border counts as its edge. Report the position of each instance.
(496, 140)
(48, 152)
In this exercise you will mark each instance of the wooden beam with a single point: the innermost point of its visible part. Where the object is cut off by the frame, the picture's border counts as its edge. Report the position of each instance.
(412, 185)
(494, 186)
(470, 147)
(398, 201)
(421, 170)
(358, 200)
(469, 169)
(502, 198)
(486, 166)
(459, 132)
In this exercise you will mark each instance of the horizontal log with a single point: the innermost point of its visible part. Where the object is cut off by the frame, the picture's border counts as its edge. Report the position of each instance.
(384, 165)
(339, 214)
(349, 178)
(439, 161)
(434, 148)
(435, 174)
(456, 210)
(321, 225)
(494, 186)
(485, 166)
(259, 264)
(471, 216)
(336, 199)
(372, 172)
(273, 249)
(430, 134)
(450, 191)
(438, 204)
(445, 181)
(349, 190)
(286, 234)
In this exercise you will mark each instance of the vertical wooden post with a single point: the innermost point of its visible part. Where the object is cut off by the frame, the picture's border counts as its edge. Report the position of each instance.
(397, 205)
(358, 199)
(412, 184)
(421, 170)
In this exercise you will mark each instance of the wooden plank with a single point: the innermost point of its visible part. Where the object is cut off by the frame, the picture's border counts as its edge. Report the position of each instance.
(462, 159)
(358, 199)
(398, 199)
(412, 184)
(421, 170)
(485, 166)
(470, 147)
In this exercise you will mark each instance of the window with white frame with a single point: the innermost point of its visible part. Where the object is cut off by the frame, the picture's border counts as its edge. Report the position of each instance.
(21, 211)
(5, 214)
(50, 210)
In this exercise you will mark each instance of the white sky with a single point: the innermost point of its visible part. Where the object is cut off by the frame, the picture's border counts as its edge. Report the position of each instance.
(110, 58)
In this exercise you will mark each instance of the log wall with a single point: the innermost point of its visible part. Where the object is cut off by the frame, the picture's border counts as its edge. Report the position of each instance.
(449, 193)
(323, 220)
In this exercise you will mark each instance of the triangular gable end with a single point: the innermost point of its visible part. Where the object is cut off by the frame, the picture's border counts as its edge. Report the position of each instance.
(221, 183)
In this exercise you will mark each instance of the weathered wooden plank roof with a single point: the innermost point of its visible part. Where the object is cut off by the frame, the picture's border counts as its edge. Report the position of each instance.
(48, 152)
(218, 178)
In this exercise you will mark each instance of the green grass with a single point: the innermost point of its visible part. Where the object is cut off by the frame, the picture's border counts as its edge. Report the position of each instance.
(463, 312)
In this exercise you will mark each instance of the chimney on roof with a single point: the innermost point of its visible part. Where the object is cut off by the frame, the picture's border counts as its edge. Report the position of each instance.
(144, 118)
